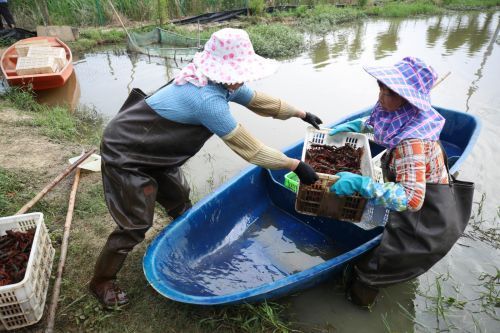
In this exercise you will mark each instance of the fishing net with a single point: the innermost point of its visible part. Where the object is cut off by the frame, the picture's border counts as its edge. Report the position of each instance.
(163, 43)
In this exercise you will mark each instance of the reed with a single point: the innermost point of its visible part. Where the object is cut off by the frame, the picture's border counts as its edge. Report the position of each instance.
(324, 13)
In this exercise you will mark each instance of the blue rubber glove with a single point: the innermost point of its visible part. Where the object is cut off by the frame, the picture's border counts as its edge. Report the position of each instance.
(349, 183)
(355, 125)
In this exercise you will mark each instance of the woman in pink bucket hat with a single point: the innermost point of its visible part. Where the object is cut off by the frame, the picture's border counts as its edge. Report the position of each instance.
(422, 226)
(144, 145)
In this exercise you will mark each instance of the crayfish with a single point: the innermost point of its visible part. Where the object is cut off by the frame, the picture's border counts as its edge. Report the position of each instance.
(15, 247)
(331, 160)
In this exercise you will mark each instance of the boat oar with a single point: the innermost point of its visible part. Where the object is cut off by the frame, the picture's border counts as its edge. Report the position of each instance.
(88, 165)
(54, 182)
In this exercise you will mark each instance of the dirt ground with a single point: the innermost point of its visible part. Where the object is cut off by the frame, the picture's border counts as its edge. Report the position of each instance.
(24, 149)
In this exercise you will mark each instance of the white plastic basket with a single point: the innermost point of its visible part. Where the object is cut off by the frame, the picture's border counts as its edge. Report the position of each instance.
(33, 66)
(23, 46)
(317, 199)
(22, 303)
(377, 167)
(58, 53)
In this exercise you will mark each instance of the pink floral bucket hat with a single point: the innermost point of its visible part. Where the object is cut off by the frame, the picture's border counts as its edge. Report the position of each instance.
(228, 57)
(410, 78)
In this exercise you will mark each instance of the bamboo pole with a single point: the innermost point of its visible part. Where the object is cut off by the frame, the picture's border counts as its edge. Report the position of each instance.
(54, 182)
(440, 80)
(119, 18)
(62, 258)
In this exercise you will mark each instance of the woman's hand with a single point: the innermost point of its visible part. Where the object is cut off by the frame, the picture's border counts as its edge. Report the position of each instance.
(306, 173)
(355, 125)
(349, 183)
(312, 119)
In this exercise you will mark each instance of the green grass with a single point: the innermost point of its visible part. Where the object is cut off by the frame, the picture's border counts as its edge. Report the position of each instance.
(323, 18)
(405, 9)
(470, 4)
(15, 190)
(58, 123)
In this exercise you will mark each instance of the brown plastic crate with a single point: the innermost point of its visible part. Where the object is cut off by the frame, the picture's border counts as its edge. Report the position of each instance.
(316, 199)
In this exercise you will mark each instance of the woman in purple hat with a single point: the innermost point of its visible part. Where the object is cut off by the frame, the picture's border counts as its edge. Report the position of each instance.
(421, 228)
(144, 145)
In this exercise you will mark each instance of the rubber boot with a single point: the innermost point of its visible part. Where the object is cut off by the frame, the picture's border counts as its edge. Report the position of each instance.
(362, 294)
(103, 284)
(179, 210)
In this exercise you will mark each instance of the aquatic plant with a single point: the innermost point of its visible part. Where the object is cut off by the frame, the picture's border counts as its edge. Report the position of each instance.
(276, 40)
(481, 229)
(322, 18)
(404, 9)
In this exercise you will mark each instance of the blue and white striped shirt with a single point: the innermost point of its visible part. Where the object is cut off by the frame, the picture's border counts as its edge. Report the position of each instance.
(207, 106)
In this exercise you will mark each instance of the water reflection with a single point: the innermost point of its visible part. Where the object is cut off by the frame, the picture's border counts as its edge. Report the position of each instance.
(434, 32)
(356, 47)
(319, 54)
(479, 73)
(471, 31)
(340, 43)
(387, 41)
(68, 95)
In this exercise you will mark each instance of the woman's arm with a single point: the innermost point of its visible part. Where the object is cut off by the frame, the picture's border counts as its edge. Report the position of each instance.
(408, 191)
(243, 143)
(268, 106)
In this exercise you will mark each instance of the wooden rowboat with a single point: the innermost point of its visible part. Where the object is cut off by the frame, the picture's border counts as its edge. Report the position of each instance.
(37, 81)
(245, 242)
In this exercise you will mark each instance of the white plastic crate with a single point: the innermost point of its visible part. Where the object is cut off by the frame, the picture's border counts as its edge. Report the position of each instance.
(32, 66)
(22, 303)
(377, 167)
(59, 53)
(23, 46)
(317, 199)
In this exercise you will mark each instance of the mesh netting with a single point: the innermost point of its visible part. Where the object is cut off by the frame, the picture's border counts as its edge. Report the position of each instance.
(163, 43)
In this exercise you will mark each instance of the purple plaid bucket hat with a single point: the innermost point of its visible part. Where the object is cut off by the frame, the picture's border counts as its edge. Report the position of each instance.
(410, 78)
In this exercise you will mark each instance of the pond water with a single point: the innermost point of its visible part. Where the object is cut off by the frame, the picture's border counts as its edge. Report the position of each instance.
(329, 81)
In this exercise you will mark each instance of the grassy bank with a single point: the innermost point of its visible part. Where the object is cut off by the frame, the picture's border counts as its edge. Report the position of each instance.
(29, 13)
(278, 35)
(57, 123)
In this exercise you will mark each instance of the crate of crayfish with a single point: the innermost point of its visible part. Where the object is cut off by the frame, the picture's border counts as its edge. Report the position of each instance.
(329, 155)
(26, 256)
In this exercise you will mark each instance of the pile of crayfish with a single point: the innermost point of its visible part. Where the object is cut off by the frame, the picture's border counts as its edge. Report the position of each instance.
(15, 247)
(331, 160)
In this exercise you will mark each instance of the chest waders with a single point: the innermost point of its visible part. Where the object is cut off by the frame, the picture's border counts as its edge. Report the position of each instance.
(412, 242)
(141, 155)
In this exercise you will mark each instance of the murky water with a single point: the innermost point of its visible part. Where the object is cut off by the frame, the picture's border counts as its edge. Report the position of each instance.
(329, 81)
(271, 248)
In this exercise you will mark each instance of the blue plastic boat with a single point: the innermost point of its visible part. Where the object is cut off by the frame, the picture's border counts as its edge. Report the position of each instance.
(245, 242)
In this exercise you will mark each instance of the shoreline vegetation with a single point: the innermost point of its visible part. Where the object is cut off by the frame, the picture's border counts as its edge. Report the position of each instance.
(54, 134)
(277, 34)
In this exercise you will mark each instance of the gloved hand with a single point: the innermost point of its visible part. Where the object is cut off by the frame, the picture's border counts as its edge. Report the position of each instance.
(355, 125)
(306, 174)
(312, 119)
(350, 182)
